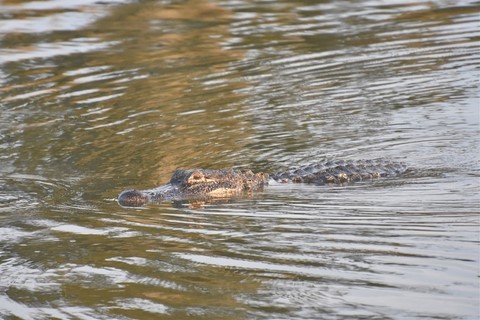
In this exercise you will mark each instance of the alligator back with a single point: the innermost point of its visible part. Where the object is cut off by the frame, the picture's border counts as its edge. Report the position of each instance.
(341, 172)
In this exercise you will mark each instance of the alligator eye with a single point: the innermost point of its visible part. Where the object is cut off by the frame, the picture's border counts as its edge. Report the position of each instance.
(196, 176)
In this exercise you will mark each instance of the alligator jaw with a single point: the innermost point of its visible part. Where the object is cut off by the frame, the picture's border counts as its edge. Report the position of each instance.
(139, 198)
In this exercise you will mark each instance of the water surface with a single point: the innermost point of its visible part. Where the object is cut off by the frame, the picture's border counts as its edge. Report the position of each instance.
(100, 96)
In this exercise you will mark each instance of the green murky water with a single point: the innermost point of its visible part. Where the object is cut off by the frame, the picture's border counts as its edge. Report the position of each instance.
(99, 96)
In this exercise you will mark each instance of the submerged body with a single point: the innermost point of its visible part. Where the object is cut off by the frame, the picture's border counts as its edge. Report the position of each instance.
(204, 183)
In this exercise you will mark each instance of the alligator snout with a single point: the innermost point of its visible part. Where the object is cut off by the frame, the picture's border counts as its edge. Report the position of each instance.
(132, 198)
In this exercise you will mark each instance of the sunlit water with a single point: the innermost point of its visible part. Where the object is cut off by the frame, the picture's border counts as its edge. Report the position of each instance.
(100, 96)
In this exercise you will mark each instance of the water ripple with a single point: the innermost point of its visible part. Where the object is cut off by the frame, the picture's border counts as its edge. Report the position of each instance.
(126, 93)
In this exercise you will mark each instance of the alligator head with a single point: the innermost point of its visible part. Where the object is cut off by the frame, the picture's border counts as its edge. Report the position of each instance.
(197, 183)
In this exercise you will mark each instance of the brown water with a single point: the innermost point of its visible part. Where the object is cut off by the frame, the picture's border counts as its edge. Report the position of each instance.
(99, 96)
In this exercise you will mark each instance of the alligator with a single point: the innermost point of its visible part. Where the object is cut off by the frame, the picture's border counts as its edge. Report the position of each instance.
(228, 183)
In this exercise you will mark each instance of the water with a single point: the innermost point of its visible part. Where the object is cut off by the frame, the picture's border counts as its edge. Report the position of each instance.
(97, 97)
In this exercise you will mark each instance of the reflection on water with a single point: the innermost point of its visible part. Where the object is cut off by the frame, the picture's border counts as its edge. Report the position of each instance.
(96, 97)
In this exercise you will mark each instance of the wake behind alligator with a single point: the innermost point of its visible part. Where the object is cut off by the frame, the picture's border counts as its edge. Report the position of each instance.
(226, 183)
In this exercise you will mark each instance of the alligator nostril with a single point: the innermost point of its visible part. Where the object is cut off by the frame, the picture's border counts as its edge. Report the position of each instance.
(132, 198)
